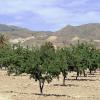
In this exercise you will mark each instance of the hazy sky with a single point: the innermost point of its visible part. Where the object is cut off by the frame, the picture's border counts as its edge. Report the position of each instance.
(49, 14)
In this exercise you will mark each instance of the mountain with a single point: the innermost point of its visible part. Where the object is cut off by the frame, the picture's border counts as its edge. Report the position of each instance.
(86, 32)
(25, 36)
(90, 31)
(65, 36)
(14, 32)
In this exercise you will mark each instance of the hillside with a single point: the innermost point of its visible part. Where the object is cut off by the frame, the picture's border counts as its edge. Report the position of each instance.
(25, 36)
(65, 36)
(86, 32)
(89, 31)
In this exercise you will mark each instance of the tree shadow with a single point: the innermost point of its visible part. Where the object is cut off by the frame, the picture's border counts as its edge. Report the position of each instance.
(68, 85)
(45, 95)
(86, 76)
(91, 76)
(81, 80)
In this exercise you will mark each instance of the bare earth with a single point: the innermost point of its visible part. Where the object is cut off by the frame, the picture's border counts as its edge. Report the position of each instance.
(22, 88)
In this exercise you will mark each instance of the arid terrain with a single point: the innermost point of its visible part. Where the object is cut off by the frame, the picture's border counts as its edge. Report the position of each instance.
(65, 36)
(22, 88)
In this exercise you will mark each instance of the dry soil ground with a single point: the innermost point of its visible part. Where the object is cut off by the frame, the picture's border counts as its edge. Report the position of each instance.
(22, 88)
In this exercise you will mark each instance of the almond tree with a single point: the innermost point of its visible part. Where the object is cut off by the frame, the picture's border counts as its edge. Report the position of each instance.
(62, 62)
(36, 62)
(41, 66)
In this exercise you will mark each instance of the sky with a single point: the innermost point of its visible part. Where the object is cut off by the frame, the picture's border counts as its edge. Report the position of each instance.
(49, 15)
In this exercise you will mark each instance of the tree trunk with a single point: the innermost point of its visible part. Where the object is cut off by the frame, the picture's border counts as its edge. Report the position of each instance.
(95, 70)
(64, 80)
(84, 73)
(0, 67)
(90, 71)
(41, 85)
(77, 74)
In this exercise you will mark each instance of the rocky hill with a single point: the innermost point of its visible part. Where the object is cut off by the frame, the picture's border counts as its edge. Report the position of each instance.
(65, 36)
(86, 32)
(25, 36)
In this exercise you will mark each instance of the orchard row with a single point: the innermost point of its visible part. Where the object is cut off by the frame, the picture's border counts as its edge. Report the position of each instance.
(46, 63)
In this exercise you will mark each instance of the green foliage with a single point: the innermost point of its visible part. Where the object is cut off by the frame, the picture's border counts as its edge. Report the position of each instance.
(62, 62)
(45, 63)
(85, 56)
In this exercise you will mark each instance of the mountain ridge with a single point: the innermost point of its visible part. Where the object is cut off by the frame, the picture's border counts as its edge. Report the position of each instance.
(67, 35)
